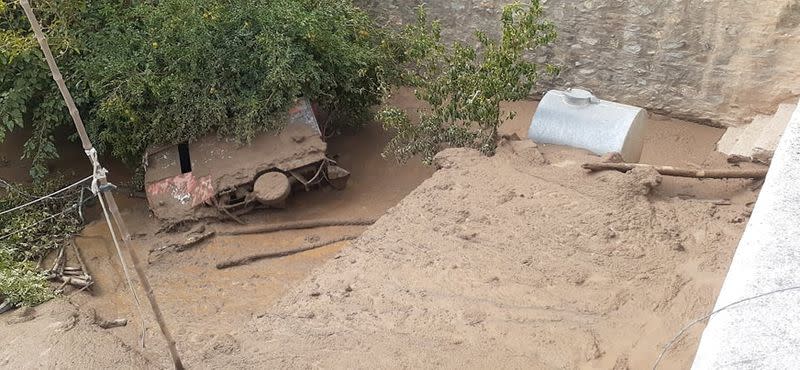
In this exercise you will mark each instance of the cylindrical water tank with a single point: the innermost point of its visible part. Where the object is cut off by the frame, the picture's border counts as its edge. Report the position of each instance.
(579, 119)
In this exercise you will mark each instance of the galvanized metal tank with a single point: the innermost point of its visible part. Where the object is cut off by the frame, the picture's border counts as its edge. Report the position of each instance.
(579, 119)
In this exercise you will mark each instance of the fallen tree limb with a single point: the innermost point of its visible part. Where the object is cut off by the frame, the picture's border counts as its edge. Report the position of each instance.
(298, 225)
(258, 257)
(79, 257)
(79, 282)
(189, 243)
(681, 172)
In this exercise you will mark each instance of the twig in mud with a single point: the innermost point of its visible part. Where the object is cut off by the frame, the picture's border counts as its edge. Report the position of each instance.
(103, 323)
(57, 262)
(680, 172)
(716, 202)
(76, 281)
(258, 257)
(79, 258)
(298, 225)
(189, 243)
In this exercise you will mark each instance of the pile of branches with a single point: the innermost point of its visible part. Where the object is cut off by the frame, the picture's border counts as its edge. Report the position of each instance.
(32, 226)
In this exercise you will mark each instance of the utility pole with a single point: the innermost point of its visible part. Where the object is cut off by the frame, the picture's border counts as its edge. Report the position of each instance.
(102, 182)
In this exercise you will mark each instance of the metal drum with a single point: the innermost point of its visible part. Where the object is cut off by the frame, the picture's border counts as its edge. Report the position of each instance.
(578, 119)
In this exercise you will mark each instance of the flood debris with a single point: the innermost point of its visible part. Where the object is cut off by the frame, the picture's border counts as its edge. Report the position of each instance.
(681, 172)
(76, 276)
(106, 324)
(199, 234)
(192, 240)
(216, 178)
(297, 225)
(263, 256)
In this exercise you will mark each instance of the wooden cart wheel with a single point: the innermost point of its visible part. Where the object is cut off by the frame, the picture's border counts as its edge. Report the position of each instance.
(272, 189)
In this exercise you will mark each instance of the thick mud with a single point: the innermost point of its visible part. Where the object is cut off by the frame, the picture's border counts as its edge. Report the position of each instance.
(513, 259)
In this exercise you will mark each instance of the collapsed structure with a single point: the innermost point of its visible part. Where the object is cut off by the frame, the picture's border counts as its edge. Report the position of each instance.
(214, 176)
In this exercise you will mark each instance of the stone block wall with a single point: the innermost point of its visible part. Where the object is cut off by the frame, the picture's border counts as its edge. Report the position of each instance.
(714, 61)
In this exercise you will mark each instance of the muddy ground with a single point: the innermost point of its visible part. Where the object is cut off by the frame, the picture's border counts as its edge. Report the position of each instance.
(520, 260)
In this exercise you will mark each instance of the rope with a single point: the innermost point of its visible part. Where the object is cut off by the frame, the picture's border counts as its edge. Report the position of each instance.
(124, 266)
(37, 200)
(706, 317)
(99, 173)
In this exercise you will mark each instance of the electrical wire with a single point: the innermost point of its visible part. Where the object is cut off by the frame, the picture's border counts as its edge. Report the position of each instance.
(7, 185)
(706, 317)
(51, 195)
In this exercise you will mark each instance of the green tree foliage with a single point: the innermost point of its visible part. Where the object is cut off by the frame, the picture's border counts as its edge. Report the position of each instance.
(28, 96)
(463, 85)
(24, 239)
(21, 282)
(157, 72)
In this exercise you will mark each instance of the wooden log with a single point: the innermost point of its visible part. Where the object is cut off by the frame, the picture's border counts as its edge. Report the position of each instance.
(258, 257)
(681, 172)
(108, 324)
(79, 257)
(298, 225)
(80, 282)
(190, 242)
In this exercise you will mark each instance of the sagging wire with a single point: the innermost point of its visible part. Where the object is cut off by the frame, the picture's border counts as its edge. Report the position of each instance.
(694, 322)
(49, 196)
(16, 189)
(65, 211)
(8, 186)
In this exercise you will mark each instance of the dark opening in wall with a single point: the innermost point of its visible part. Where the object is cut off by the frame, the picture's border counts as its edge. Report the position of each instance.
(185, 159)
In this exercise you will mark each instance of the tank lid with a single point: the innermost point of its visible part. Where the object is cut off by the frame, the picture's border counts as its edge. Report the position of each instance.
(578, 97)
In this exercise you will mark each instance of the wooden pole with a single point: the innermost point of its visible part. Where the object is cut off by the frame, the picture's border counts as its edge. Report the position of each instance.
(681, 172)
(112, 204)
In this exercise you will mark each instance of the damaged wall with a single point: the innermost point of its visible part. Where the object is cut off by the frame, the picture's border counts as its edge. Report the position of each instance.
(715, 61)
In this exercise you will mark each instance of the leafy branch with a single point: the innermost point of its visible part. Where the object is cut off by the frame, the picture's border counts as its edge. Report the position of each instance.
(463, 86)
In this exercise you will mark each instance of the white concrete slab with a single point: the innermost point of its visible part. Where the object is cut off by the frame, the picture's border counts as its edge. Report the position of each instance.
(771, 136)
(763, 333)
(759, 139)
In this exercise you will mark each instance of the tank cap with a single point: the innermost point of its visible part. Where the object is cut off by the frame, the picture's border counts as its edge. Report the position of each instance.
(579, 97)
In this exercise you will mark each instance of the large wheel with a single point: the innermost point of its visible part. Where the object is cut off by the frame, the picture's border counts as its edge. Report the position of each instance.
(272, 189)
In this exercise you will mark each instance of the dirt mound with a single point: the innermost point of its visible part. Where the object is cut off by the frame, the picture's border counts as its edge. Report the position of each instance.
(508, 261)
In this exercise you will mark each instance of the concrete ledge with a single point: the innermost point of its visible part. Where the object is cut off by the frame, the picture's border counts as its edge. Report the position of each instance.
(763, 333)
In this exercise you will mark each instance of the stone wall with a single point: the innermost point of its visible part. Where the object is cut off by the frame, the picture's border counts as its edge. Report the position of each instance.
(713, 61)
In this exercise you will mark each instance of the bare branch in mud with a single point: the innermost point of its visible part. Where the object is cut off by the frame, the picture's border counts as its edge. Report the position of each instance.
(83, 281)
(194, 241)
(681, 172)
(298, 225)
(258, 257)
(188, 244)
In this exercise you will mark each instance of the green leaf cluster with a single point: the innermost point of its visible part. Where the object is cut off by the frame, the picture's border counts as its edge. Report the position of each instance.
(162, 72)
(25, 240)
(463, 85)
(21, 282)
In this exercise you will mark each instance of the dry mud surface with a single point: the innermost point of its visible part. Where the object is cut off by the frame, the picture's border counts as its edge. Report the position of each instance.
(507, 262)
